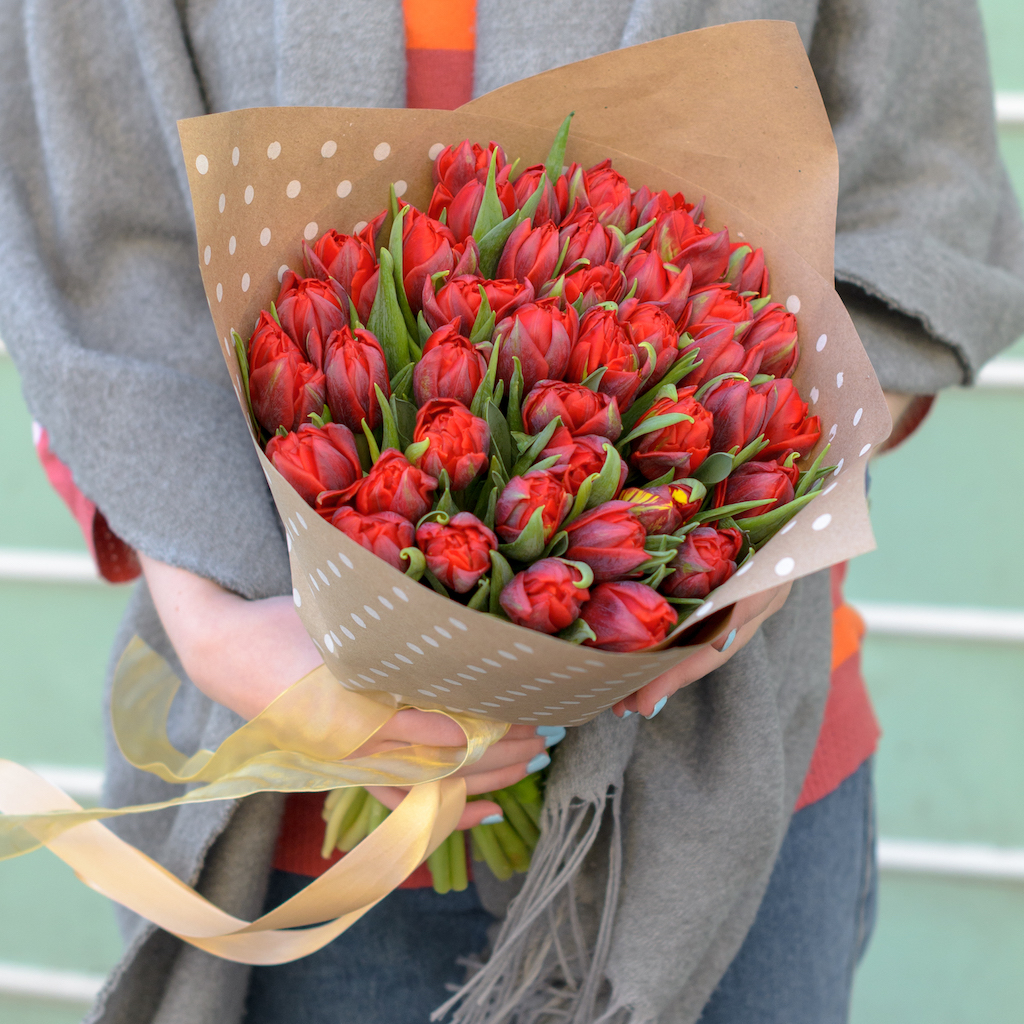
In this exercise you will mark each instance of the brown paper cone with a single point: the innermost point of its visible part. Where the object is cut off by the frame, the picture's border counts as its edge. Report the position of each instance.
(264, 179)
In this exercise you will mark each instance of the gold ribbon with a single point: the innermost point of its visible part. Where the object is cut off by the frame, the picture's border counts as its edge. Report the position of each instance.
(302, 742)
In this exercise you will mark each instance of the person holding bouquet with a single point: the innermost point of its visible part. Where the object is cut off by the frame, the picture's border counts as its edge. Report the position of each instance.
(731, 907)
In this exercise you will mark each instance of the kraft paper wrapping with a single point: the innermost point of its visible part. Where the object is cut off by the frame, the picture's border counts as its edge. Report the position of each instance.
(264, 179)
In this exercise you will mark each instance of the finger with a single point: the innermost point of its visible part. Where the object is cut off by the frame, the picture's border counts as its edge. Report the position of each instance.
(506, 753)
(474, 814)
(490, 782)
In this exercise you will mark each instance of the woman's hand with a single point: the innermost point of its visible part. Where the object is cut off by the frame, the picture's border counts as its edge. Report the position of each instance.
(747, 615)
(243, 654)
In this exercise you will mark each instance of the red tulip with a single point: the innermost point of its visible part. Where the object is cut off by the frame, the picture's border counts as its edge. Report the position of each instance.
(550, 209)
(679, 241)
(627, 617)
(385, 534)
(545, 597)
(351, 261)
(459, 441)
(541, 335)
(459, 552)
(651, 326)
(773, 334)
(315, 459)
(610, 539)
(353, 363)
(530, 254)
(787, 426)
(451, 367)
(605, 342)
(649, 206)
(461, 297)
(610, 196)
(521, 498)
(283, 387)
(665, 508)
(428, 248)
(760, 481)
(583, 411)
(746, 271)
(463, 205)
(395, 485)
(588, 239)
(681, 447)
(456, 166)
(655, 282)
(705, 560)
(740, 413)
(591, 285)
(579, 457)
(720, 353)
(309, 311)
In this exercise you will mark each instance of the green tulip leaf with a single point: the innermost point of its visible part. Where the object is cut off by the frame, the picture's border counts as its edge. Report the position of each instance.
(530, 543)
(446, 503)
(491, 213)
(478, 602)
(551, 460)
(754, 448)
(422, 328)
(556, 155)
(401, 383)
(593, 380)
(714, 514)
(714, 469)
(654, 580)
(417, 562)
(501, 439)
(501, 577)
(577, 632)
(371, 442)
(710, 385)
(651, 425)
(435, 583)
(273, 313)
(562, 253)
(659, 481)
(558, 545)
(582, 499)
(492, 245)
(485, 392)
(811, 475)
(536, 446)
(415, 452)
(386, 322)
(243, 369)
(679, 369)
(638, 232)
(586, 573)
(515, 396)
(390, 436)
(761, 529)
(606, 483)
(395, 248)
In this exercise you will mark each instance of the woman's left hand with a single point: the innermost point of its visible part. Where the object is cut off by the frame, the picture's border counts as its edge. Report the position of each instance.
(747, 616)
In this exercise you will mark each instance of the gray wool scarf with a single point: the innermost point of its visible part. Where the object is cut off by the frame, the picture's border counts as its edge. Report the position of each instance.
(659, 836)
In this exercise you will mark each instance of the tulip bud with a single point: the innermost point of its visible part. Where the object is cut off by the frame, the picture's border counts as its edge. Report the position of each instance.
(541, 335)
(651, 326)
(627, 617)
(463, 205)
(458, 553)
(760, 481)
(461, 297)
(522, 496)
(720, 353)
(283, 388)
(583, 411)
(385, 534)
(740, 413)
(610, 539)
(648, 206)
(530, 254)
(451, 367)
(593, 285)
(395, 485)
(316, 459)
(456, 166)
(654, 281)
(773, 334)
(353, 363)
(679, 241)
(681, 447)
(459, 441)
(309, 311)
(610, 196)
(580, 457)
(351, 261)
(588, 239)
(787, 426)
(605, 342)
(545, 597)
(746, 271)
(428, 248)
(665, 508)
(705, 560)
(549, 208)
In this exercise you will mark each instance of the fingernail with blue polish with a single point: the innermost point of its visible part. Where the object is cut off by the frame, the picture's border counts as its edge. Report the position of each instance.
(539, 762)
(552, 734)
(728, 641)
(493, 819)
(657, 707)
(626, 714)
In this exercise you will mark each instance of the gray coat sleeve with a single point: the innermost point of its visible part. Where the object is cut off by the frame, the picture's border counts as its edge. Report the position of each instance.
(929, 243)
(104, 310)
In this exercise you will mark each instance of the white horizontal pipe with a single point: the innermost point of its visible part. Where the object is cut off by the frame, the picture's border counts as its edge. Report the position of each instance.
(80, 783)
(1002, 373)
(1010, 107)
(45, 983)
(985, 624)
(34, 566)
(961, 860)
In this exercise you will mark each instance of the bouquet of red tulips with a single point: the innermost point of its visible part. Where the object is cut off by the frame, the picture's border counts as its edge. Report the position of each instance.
(551, 396)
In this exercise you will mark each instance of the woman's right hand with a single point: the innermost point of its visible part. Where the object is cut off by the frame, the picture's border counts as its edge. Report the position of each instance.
(243, 654)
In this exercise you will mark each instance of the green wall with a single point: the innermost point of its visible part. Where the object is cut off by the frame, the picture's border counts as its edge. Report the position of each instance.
(950, 767)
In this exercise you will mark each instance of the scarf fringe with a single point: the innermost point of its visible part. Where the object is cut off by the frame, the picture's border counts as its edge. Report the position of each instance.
(542, 968)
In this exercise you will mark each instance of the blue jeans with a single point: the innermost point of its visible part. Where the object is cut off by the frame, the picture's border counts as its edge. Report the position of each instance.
(795, 966)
